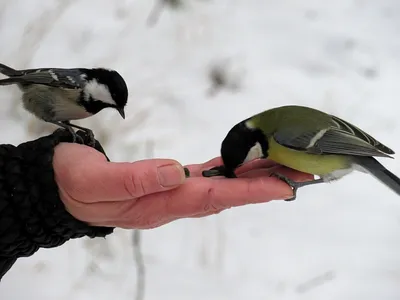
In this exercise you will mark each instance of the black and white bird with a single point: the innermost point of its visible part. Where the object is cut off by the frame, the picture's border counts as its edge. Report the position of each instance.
(57, 95)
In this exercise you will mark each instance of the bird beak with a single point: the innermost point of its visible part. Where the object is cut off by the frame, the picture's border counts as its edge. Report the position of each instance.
(121, 112)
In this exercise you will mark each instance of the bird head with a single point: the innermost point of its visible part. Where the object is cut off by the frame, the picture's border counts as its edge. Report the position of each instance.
(105, 88)
(242, 144)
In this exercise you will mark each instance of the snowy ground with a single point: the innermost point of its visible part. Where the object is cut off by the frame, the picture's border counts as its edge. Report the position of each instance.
(337, 241)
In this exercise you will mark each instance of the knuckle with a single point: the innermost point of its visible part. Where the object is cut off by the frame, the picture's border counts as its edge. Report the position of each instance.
(137, 220)
(141, 221)
(125, 211)
(134, 186)
(168, 207)
(211, 204)
(210, 208)
(154, 221)
(210, 193)
(142, 216)
(216, 212)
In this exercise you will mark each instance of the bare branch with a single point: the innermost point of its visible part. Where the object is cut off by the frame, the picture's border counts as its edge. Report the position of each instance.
(225, 74)
(137, 244)
(159, 7)
(315, 282)
(140, 267)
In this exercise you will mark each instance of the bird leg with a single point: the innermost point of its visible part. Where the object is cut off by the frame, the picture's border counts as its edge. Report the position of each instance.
(219, 171)
(88, 132)
(68, 127)
(295, 185)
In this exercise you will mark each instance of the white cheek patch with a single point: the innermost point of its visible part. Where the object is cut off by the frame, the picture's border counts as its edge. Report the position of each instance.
(254, 153)
(99, 92)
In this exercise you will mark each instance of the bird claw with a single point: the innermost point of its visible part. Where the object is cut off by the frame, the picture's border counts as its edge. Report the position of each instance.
(75, 137)
(91, 137)
(92, 140)
(294, 185)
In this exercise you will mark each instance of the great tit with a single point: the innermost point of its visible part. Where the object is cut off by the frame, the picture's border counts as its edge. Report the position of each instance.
(59, 95)
(307, 140)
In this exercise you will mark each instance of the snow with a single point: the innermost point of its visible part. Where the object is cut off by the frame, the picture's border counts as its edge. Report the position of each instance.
(337, 241)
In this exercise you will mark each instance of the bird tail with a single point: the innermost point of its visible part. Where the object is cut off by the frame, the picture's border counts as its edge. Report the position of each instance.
(377, 170)
(9, 81)
(8, 71)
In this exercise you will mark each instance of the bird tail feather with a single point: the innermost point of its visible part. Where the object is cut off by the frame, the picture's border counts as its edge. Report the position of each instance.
(9, 81)
(8, 71)
(377, 170)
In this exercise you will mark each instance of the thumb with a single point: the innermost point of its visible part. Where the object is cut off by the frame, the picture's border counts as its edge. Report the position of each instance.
(86, 176)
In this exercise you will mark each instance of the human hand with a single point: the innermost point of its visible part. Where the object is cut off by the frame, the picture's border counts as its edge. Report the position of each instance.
(149, 193)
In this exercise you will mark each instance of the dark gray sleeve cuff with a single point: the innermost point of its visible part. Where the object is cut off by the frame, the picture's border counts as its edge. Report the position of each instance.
(32, 216)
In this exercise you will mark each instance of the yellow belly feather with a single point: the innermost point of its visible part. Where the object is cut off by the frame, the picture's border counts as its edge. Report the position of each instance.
(304, 162)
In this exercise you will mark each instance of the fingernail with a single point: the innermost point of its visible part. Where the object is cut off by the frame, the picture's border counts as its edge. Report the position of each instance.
(171, 175)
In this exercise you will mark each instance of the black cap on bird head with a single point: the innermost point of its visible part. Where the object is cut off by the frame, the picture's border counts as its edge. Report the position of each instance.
(242, 144)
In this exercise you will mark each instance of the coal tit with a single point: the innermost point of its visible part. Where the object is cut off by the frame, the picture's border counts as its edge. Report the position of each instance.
(58, 95)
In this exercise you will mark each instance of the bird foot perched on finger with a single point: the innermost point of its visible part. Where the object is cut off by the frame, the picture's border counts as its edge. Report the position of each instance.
(295, 185)
(75, 137)
(86, 130)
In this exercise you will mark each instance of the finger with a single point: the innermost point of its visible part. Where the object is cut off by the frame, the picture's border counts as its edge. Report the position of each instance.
(290, 173)
(100, 212)
(204, 196)
(196, 169)
(193, 213)
(83, 174)
(255, 164)
(120, 212)
(209, 213)
(113, 215)
(156, 210)
(128, 224)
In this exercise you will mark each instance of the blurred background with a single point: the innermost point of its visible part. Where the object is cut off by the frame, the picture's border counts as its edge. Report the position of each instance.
(195, 68)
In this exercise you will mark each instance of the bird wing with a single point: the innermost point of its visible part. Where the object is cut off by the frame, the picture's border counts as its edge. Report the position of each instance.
(61, 78)
(339, 138)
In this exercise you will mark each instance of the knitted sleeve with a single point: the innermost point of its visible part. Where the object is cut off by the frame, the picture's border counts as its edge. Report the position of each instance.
(32, 216)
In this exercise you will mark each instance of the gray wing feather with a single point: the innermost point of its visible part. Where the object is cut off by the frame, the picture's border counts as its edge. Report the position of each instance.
(295, 139)
(337, 142)
(346, 127)
(340, 138)
(62, 78)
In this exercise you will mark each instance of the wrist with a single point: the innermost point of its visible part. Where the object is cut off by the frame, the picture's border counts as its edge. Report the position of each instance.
(37, 216)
